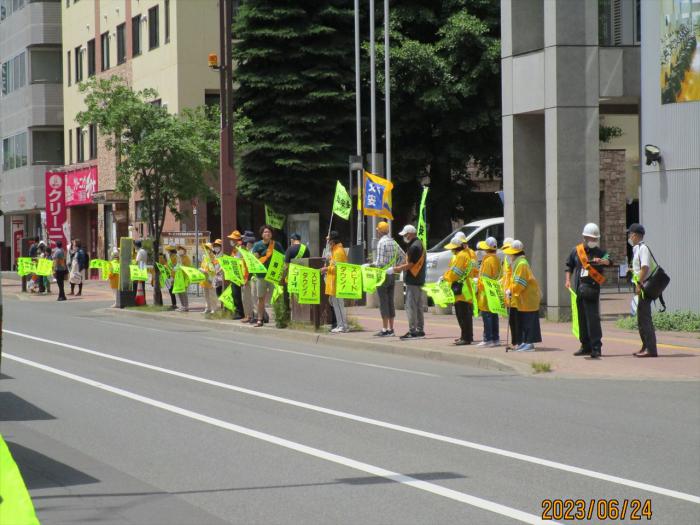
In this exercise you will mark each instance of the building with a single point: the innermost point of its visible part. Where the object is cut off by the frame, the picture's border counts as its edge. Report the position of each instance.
(31, 116)
(578, 78)
(159, 44)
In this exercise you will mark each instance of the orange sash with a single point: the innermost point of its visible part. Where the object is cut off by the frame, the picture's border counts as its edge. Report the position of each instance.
(595, 274)
(418, 265)
(270, 249)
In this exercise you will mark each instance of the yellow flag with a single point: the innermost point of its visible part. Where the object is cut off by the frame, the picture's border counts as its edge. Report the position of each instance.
(377, 196)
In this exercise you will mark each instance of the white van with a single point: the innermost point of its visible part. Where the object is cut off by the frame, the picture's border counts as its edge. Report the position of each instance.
(438, 258)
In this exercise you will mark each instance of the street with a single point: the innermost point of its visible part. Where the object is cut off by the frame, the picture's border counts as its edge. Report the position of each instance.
(120, 419)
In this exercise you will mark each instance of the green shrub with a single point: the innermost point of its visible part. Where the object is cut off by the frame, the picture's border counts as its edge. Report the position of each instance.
(281, 313)
(681, 321)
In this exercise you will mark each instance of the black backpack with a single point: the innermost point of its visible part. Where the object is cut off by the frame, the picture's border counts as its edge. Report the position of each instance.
(654, 285)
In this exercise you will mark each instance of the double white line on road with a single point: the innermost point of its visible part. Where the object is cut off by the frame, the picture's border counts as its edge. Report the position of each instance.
(383, 424)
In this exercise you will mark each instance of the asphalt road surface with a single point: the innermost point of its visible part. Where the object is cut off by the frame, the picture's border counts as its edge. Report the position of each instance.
(116, 419)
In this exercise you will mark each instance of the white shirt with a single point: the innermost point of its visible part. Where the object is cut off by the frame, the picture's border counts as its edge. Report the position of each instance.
(641, 256)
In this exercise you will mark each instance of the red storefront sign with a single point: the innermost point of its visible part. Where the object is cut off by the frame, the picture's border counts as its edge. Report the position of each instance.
(80, 185)
(56, 206)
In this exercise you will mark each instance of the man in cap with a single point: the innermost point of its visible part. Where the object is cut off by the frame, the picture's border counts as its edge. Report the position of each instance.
(491, 269)
(296, 250)
(459, 274)
(585, 264)
(643, 265)
(387, 255)
(414, 279)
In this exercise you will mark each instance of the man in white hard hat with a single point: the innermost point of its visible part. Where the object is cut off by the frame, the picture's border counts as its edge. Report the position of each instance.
(414, 279)
(585, 264)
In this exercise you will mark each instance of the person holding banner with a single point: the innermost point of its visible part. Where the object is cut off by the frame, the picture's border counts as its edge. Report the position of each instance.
(170, 263)
(247, 290)
(337, 255)
(388, 254)
(208, 268)
(60, 269)
(414, 279)
(182, 260)
(219, 279)
(490, 269)
(524, 294)
(459, 274)
(264, 249)
(586, 263)
(506, 279)
(236, 240)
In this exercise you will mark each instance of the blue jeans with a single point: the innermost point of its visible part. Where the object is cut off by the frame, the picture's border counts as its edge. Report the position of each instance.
(490, 326)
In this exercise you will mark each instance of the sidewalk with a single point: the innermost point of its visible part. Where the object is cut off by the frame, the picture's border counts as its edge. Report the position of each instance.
(679, 353)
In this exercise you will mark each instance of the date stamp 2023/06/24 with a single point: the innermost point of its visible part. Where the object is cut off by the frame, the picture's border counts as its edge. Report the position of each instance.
(596, 509)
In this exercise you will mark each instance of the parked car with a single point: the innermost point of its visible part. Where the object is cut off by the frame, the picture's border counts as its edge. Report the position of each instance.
(438, 259)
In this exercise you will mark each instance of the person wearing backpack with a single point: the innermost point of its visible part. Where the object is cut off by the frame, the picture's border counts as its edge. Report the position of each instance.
(643, 265)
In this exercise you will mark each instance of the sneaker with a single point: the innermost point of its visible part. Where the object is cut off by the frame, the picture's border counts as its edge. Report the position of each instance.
(526, 347)
(484, 344)
(461, 342)
(337, 330)
(382, 333)
(409, 335)
(390, 333)
(420, 333)
(495, 343)
(582, 351)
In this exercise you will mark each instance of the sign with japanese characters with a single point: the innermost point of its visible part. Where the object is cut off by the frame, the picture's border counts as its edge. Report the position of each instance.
(309, 282)
(80, 186)
(494, 296)
(348, 281)
(276, 268)
(55, 188)
(293, 278)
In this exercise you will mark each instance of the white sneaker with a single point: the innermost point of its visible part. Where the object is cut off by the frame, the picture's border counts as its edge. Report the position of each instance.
(483, 344)
(495, 343)
(526, 347)
(337, 330)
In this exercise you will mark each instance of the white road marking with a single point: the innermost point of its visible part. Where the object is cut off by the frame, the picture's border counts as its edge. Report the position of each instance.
(432, 488)
(384, 424)
(328, 358)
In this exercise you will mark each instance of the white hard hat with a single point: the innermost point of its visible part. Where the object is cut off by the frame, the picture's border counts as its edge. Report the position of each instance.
(515, 247)
(591, 230)
(407, 229)
(460, 237)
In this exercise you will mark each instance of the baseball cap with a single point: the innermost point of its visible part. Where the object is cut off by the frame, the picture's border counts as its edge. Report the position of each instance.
(407, 229)
(636, 228)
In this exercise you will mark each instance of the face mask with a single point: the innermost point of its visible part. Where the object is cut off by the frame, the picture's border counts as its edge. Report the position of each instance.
(217, 250)
(181, 253)
(630, 242)
(406, 239)
(592, 244)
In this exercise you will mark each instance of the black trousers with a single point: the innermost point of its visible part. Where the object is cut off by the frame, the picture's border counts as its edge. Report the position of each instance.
(463, 311)
(61, 282)
(646, 325)
(238, 300)
(516, 335)
(173, 300)
(589, 330)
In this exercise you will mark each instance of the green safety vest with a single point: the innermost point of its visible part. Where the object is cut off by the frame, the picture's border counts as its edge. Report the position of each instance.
(302, 251)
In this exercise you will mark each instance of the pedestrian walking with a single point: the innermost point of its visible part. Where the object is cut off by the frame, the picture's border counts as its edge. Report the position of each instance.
(585, 264)
(414, 279)
(60, 270)
(524, 295)
(78, 267)
(388, 255)
(263, 250)
(182, 260)
(459, 274)
(490, 269)
(643, 266)
(208, 268)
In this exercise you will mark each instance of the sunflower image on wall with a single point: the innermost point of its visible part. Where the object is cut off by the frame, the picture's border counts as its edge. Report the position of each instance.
(680, 51)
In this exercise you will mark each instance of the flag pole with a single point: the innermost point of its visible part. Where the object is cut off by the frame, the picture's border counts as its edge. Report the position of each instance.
(387, 97)
(373, 106)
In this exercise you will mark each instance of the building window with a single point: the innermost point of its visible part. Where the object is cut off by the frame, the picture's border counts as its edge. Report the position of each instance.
(79, 146)
(7, 7)
(14, 152)
(166, 8)
(45, 66)
(92, 131)
(68, 67)
(78, 64)
(153, 39)
(91, 58)
(47, 147)
(121, 43)
(14, 74)
(104, 40)
(70, 146)
(136, 35)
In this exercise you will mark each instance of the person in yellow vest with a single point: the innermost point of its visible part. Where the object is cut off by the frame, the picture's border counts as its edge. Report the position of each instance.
(208, 268)
(337, 254)
(219, 280)
(182, 260)
(170, 263)
(524, 294)
(490, 268)
(459, 274)
(114, 276)
(506, 278)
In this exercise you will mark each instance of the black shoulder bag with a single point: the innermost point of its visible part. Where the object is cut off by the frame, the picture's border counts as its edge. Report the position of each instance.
(656, 283)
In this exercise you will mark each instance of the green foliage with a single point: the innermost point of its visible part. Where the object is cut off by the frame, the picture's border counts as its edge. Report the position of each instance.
(295, 90)
(446, 100)
(282, 315)
(540, 367)
(679, 321)
(162, 156)
(607, 133)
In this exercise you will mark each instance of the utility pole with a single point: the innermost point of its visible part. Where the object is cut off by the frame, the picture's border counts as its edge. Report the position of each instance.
(358, 121)
(373, 108)
(387, 97)
(227, 175)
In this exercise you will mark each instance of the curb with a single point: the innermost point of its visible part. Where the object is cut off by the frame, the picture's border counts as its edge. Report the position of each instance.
(487, 363)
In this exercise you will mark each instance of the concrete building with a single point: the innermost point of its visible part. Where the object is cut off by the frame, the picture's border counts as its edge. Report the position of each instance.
(159, 44)
(573, 71)
(31, 116)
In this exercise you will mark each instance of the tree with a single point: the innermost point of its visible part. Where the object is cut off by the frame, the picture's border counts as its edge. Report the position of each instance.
(163, 157)
(445, 98)
(295, 84)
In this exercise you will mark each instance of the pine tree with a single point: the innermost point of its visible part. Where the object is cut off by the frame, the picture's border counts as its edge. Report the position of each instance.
(295, 85)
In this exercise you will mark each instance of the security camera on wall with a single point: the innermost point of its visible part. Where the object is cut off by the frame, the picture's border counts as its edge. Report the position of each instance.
(652, 153)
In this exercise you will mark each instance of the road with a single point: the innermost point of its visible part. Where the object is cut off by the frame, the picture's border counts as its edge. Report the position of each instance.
(120, 419)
